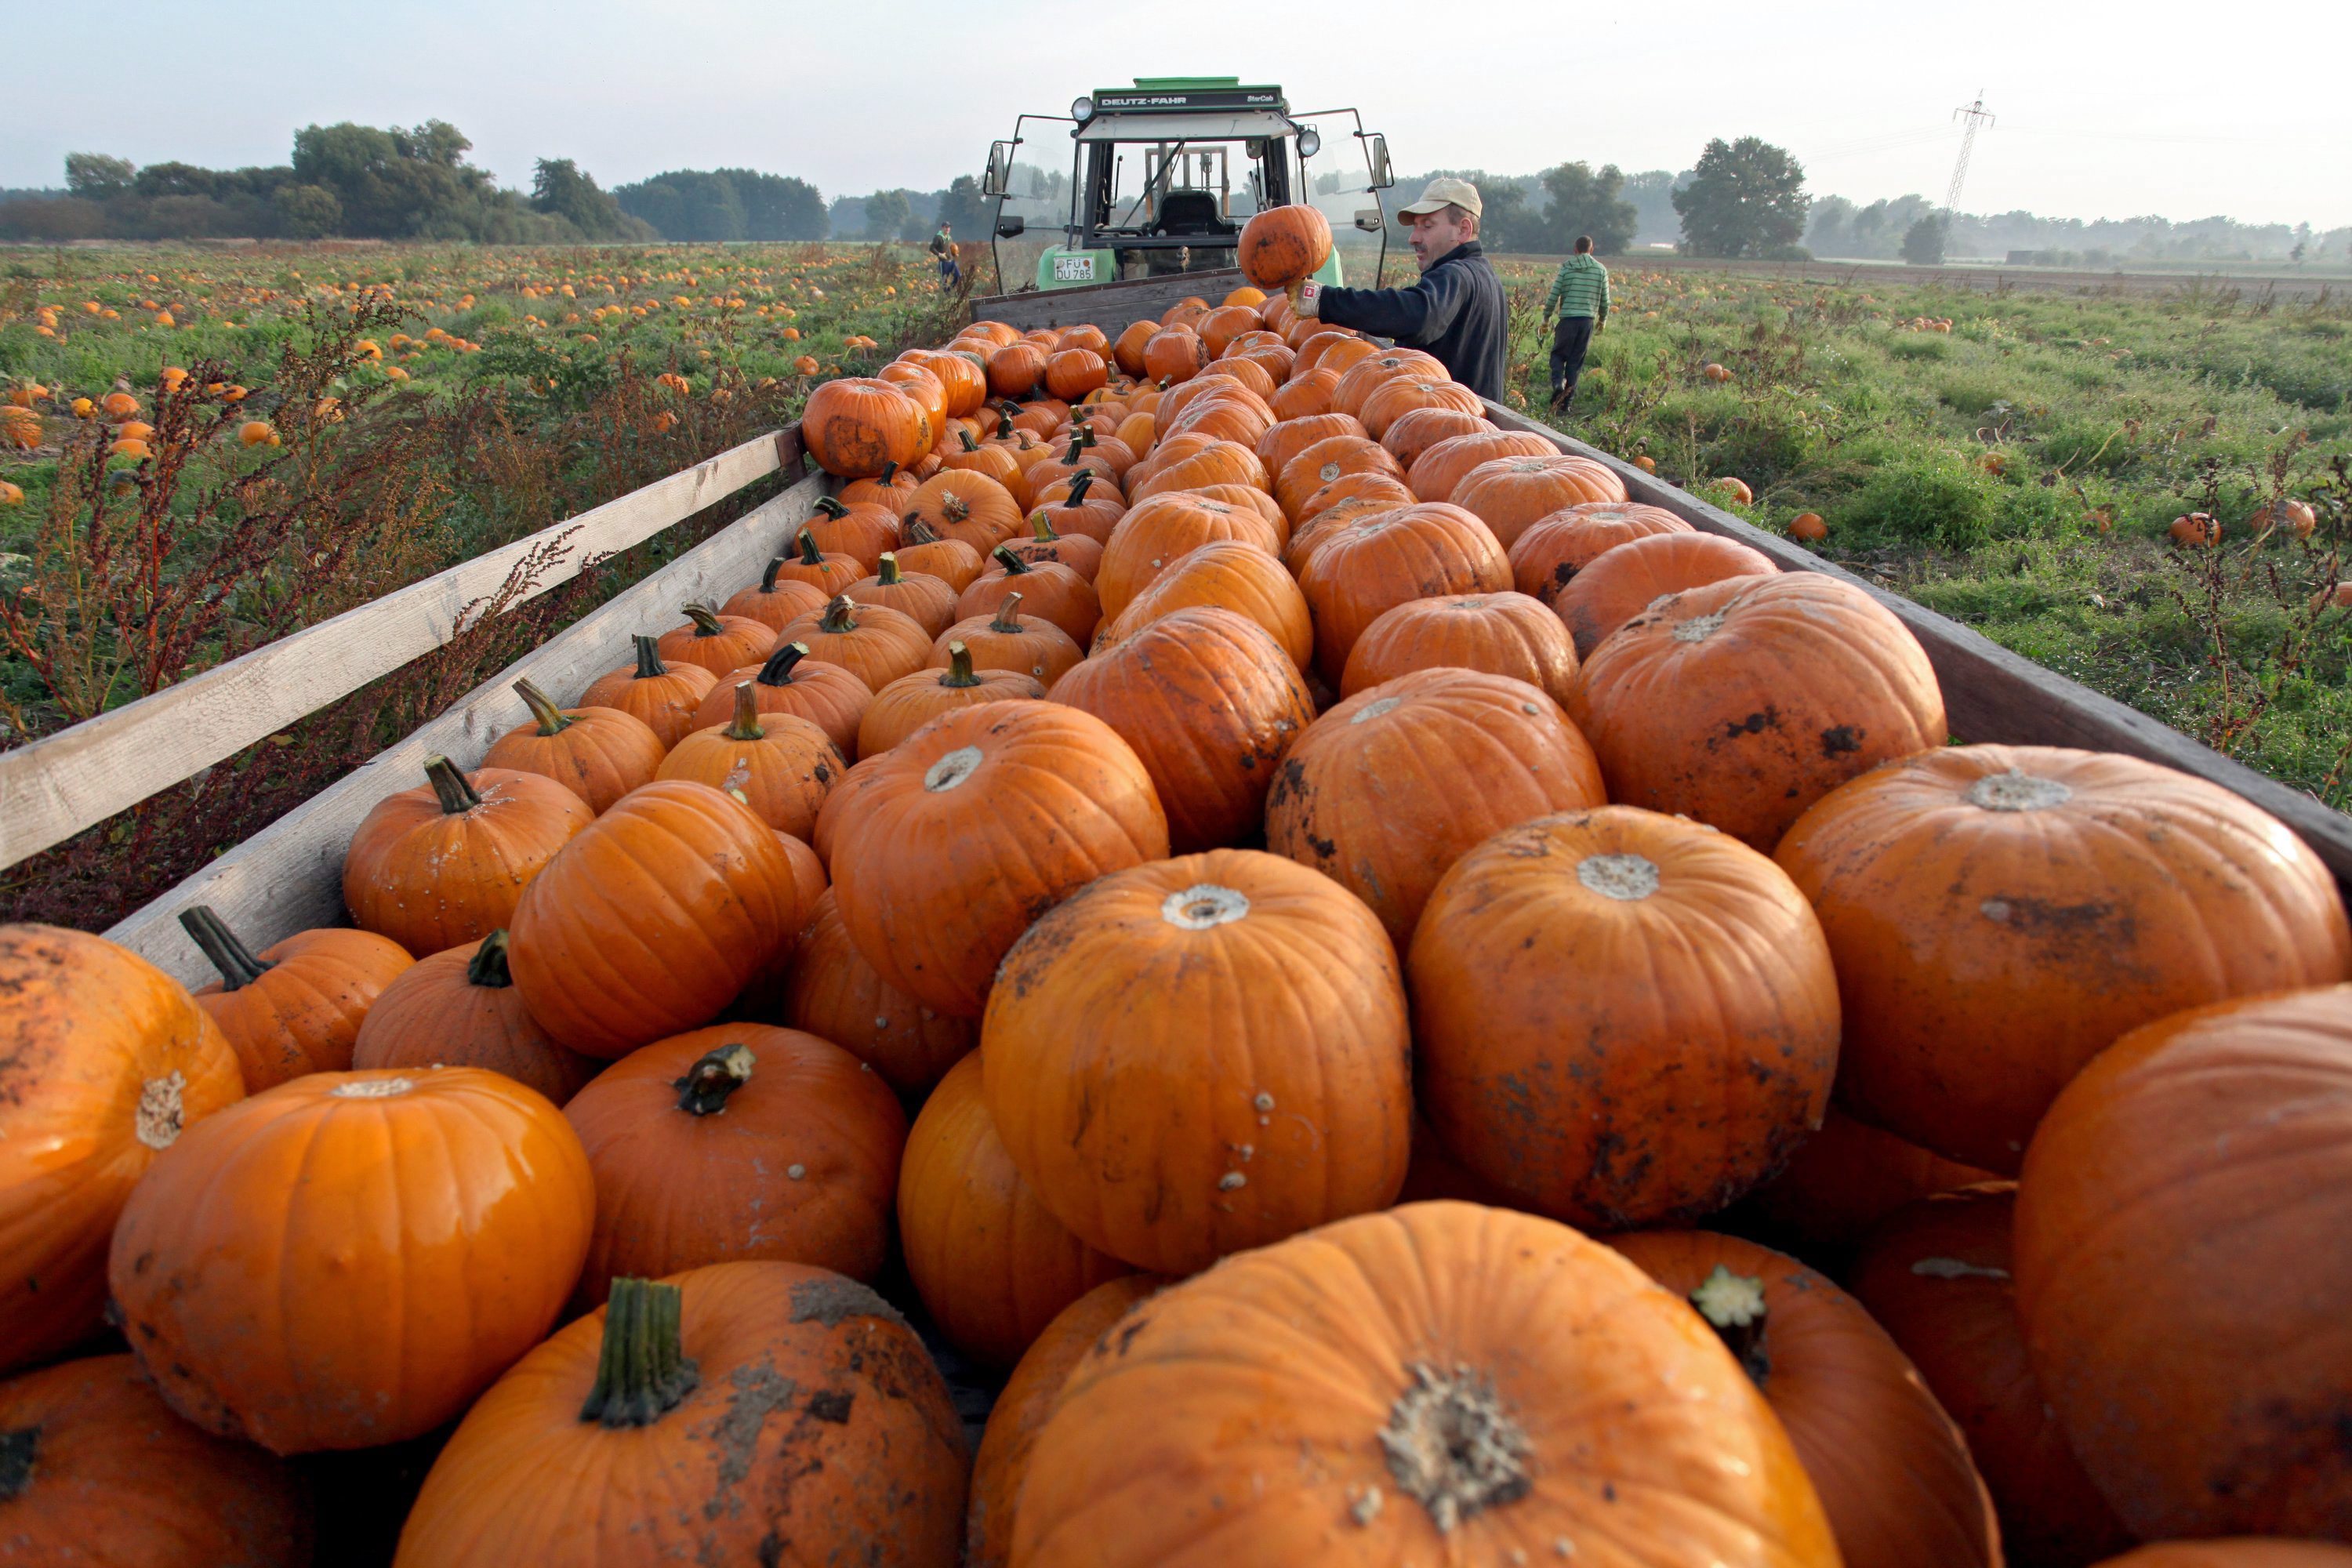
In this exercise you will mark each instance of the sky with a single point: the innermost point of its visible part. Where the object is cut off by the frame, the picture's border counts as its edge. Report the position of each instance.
(2164, 108)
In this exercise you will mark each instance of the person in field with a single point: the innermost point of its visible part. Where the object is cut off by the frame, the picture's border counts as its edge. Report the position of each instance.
(1579, 298)
(944, 245)
(1455, 312)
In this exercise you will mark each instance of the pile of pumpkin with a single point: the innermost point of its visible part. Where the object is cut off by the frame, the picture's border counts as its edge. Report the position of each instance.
(1219, 873)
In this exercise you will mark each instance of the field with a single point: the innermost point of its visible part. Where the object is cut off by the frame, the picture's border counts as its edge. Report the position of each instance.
(2019, 471)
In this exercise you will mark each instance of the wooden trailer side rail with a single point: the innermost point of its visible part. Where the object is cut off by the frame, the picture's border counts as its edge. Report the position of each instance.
(1990, 693)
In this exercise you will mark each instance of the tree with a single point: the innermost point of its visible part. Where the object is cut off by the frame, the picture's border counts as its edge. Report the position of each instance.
(1923, 242)
(159, 180)
(560, 188)
(306, 212)
(98, 177)
(1746, 198)
(1583, 202)
(777, 206)
(1652, 192)
(962, 205)
(888, 213)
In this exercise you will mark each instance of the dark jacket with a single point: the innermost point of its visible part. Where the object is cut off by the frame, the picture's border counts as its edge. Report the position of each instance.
(1455, 312)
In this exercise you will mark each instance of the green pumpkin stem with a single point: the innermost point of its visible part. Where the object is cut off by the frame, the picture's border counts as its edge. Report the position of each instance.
(17, 1451)
(889, 472)
(1008, 614)
(887, 573)
(959, 670)
(747, 726)
(543, 707)
(449, 783)
(1733, 1305)
(1014, 565)
(1087, 434)
(642, 1370)
(706, 620)
(716, 1073)
(778, 670)
(969, 444)
(1040, 530)
(831, 506)
(487, 967)
(1004, 423)
(238, 968)
(810, 554)
(649, 658)
(839, 616)
(1077, 445)
(1080, 483)
(768, 575)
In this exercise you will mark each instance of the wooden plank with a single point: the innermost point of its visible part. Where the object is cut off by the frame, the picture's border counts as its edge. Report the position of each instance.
(288, 877)
(1990, 693)
(57, 786)
(1110, 305)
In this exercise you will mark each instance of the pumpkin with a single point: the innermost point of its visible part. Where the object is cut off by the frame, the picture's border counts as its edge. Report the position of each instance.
(1079, 507)
(96, 1469)
(873, 642)
(716, 642)
(598, 754)
(1255, 993)
(1157, 532)
(795, 1399)
(1375, 562)
(1321, 462)
(1444, 464)
(2296, 517)
(952, 561)
(1015, 369)
(828, 574)
(858, 428)
(1174, 354)
(462, 1263)
(651, 919)
(962, 379)
(1546, 558)
(794, 685)
(1742, 702)
(460, 1008)
(1251, 497)
(2039, 903)
(660, 696)
(1416, 430)
(1334, 348)
(1622, 583)
(835, 995)
(1938, 1276)
(1367, 375)
(1502, 634)
(2180, 1262)
(1228, 321)
(1230, 573)
(968, 506)
(1735, 491)
(860, 533)
(1510, 495)
(1211, 703)
(1304, 393)
(104, 1061)
(1213, 461)
(1891, 1468)
(1692, 1054)
(890, 488)
(991, 1262)
(1388, 1373)
(2196, 530)
(736, 1142)
(1074, 373)
(445, 865)
(781, 765)
(1842, 1180)
(2242, 1552)
(1027, 645)
(1403, 394)
(1386, 489)
(1390, 786)
(1128, 350)
(909, 702)
(1808, 527)
(954, 841)
(1373, 493)
(297, 1007)
(921, 385)
(1076, 457)
(974, 457)
(928, 599)
(1287, 439)
(1001, 1462)
(1081, 553)
(1047, 589)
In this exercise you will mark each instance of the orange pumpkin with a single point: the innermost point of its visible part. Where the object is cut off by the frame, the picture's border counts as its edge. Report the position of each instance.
(1416, 430)
(1015, 369)
(598, 754)
(1080, 506)
(1287, 438)
(2041, 902)
(2196, 530)
(1390, 787)
(1402, 395)
(1546, 558)
(297, 1007)
(1047, 589)
(792, 684)
(2239, 1551)
(1269, 992)
(1127, 351)
(835, 995)
(2180, 1255)
(873, 642)
(828, 574)
(1369, 374)
(1282, 245)
(781, 765)
(965, 505)
(1742, 702)
(890, 487)
(1174, 354)
(1892, 1470)
(1622, 583)
(738, 1142)
(1444, 464)
(1193, 459)
(909, 702)
(952, 561)
(661, 696)
(1386, 489)
(1808, 527)
(104, 1062)
(990, 1261)
(946, 847)
(1028, 645)
(857, 426)
(460, 1008)
(1081, 553)
(1158, 531)
(1842, 1180)
(1229, 573)
(797, 1398)
(463, 1266)
(1390, 1374)
(1502, 634)
(717, 643)
(861, 532)
(1510, 495)
(1304, 393)
(1321, 462)
(1072, 373)
(927, 599)
(445, 865)
(1374, 563)
(977, 458)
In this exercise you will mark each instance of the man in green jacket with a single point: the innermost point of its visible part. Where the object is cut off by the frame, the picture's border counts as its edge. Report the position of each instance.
(1579, 298)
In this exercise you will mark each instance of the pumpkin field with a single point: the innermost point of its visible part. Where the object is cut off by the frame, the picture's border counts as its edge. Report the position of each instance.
(1228, 956)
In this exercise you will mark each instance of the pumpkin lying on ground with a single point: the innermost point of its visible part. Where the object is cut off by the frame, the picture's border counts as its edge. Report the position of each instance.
(298, 1006)
(460, 1008)
(446, 865)
(723, 1413)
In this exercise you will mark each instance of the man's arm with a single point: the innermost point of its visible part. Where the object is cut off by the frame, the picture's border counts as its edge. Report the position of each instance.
(1602, 314)
(1558, 289)
(1406, 315)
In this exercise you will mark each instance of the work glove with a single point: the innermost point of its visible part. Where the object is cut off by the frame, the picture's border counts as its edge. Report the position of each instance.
(1304, 296)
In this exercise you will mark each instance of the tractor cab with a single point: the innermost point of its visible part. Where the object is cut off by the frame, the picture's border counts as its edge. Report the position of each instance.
(1163, 176)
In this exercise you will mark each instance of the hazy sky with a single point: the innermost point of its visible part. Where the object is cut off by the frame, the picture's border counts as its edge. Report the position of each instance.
(2174, 108)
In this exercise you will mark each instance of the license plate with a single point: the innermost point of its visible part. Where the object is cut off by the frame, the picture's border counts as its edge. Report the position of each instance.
(1074, 269)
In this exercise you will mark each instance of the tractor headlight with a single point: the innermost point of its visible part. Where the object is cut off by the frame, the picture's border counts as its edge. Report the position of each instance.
(1083, 109)
(1310, 141)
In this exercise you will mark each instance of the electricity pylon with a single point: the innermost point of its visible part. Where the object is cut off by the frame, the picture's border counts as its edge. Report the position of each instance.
(1974, 115)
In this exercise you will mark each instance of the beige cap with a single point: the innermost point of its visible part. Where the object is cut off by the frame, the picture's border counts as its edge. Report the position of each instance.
(1445, 192)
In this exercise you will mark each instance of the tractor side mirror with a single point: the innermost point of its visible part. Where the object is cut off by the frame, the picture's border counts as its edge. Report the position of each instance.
(998, 181)
(1371, 220)
(1376, 153)
(1010, 227)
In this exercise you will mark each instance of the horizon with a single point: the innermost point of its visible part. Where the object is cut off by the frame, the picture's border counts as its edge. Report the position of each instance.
(2063, 146)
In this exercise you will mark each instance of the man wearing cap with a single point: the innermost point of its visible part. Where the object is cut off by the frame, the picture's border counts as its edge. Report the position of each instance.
(1455, 312)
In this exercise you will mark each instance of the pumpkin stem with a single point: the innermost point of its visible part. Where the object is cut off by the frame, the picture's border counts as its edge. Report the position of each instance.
(889, 472)
(1733, 1305)
(839, 617)
(1086, 435)
(1008, 614)
(955, 508)
(920, 532)
(551, 718)
(649, 660)
(237, 965)
(17, 1451)
(810, 554)
(706, 620)
(1039, 529)
(959, 671)
(1014, 565)
(831, 507)
(716, 1075)
(778, 670)
(746, 726)
(450, 784)
(887, 573)
(1077, 445)
(1080, 483)
(488, 965)
(969, 444)
(1004, 423)
(768, 576)
(642, 1370)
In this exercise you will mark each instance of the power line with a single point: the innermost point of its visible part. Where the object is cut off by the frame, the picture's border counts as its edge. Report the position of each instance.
(1973, 116)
